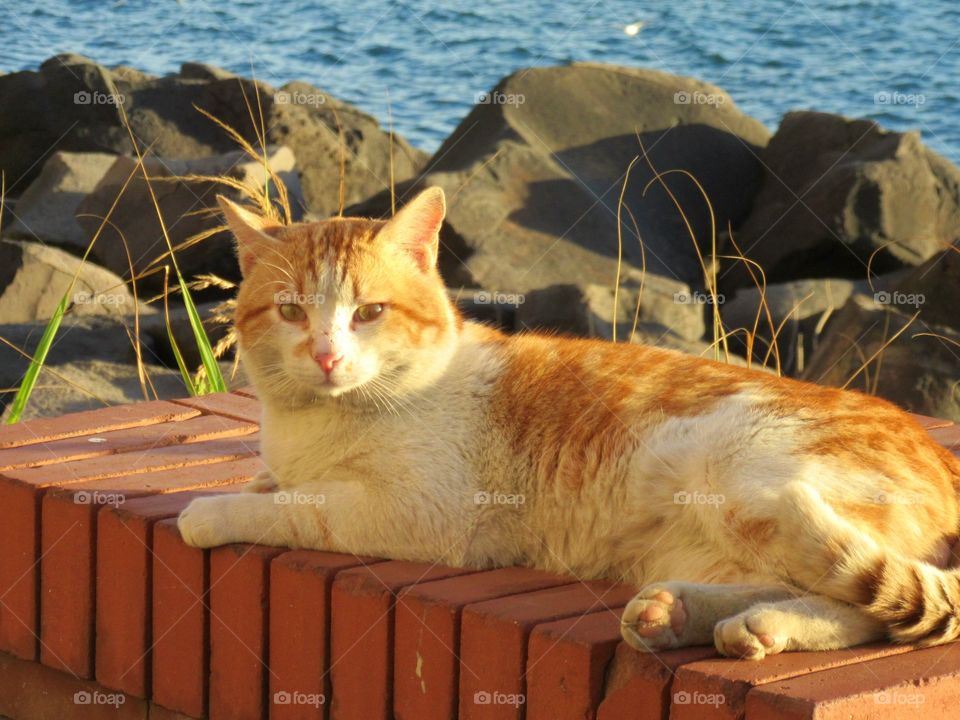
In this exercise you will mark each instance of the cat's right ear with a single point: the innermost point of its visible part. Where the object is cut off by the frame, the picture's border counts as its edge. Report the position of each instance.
(251, 231)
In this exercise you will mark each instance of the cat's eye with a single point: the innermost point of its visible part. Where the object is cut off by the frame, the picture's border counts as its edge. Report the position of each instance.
(367, 313)
(292, 313)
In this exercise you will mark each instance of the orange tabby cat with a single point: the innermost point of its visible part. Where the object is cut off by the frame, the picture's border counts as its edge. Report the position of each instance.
(757, 513)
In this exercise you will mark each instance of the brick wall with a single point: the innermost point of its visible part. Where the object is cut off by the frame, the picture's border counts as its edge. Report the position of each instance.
(104, 612)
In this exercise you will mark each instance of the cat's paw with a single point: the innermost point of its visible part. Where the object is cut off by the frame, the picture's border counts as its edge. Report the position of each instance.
(655, 619)
(201, 523)
(263, 482)
(751, 635)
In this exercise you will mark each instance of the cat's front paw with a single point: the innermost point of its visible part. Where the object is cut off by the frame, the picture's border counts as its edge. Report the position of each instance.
(751, 635)
(655, 618)
(263, 482)
(201, 524)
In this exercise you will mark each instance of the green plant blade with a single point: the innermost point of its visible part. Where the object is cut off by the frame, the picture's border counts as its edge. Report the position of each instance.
(36, 363)
(214, 380)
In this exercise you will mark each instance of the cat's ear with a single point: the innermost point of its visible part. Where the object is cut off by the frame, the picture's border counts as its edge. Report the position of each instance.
(416, 227)
(253, 233)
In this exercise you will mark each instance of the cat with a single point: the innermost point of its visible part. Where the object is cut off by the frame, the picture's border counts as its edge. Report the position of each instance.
(756, 513)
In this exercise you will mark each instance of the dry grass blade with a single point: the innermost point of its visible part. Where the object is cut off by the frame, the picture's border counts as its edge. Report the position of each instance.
(879, 352)
(616, 284)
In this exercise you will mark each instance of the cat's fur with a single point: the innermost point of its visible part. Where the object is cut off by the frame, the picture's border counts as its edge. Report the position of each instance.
(758, 513)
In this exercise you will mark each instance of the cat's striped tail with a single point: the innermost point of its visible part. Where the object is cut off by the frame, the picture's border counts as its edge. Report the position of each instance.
(917, 602)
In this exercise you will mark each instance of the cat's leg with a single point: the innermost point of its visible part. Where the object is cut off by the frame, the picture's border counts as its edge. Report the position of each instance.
(255, 517)
(677, 614)
(810, 622)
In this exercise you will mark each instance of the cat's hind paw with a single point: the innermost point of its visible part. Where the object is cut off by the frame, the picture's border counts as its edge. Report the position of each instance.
(751, 635)
(654, 619)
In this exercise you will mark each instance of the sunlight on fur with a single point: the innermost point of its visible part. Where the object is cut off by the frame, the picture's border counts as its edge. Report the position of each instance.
(756, 513)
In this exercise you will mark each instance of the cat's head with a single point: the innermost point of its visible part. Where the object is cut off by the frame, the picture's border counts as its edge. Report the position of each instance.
(345, 307)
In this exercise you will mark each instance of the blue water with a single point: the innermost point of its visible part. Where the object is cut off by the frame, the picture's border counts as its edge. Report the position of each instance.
(424, 63)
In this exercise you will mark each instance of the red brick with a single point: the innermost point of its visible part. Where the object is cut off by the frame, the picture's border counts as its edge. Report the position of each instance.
(123, 588)
(19, 569)
(181, 623)
(69, 543)
(931, 423)
(921, 684)
(239, 595)
(300, 586)
(159, 712)
(29, 690)
(427, 636)
(91, 422)
(132, 464)
(249, 391)
(949, 437)
(241, 407)
(127, 440)
(362, 632)
(729, 681)
(493, 641)
(638, 684)
(566, 662)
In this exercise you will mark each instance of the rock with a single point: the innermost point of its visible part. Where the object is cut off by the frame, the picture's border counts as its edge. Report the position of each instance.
(47, 209)
(919, 373)
(588, 310)
(154, 327)
(799, 310)
(835, 191)
(72, 103)
(934, 288)
(182, 203)
(91, 384)
(34, 278)
(533, 175)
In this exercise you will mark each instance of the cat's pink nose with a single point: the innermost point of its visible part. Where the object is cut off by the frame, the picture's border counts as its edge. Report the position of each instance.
(327, 361)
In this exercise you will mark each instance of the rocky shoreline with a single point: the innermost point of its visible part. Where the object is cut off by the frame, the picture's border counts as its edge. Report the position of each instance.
(851, 224)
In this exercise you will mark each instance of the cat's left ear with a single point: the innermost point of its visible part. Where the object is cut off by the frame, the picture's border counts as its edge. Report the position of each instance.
(253, 233)
(416, 227)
